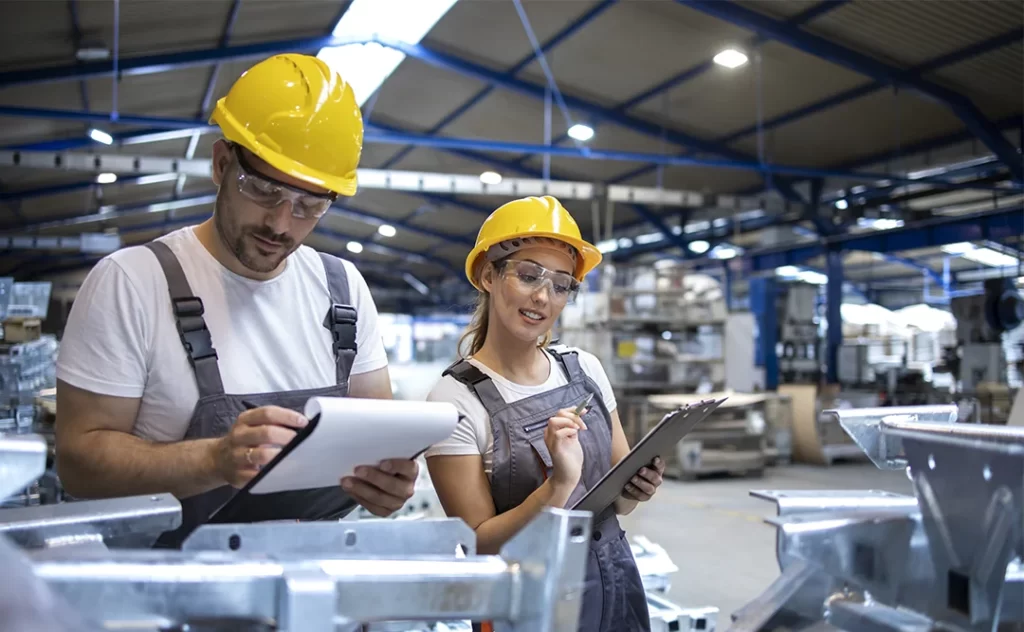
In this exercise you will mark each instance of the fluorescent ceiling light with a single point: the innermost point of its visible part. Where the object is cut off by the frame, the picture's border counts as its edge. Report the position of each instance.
(490, 177)
(787, 271)
(625, 242)
(730, 58)
(649, 238)
(100, 136)
(699, 247)
(984, 256)
(723, 251)
(106, 178)
(367, 66)
(416, 283)
(581, 132)
(386, 230)
(606, 246)
(881, 223)
(842, 205)
(354, 246)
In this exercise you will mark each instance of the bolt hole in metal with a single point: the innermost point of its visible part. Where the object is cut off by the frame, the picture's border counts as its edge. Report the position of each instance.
(350, 538)
(986, 472)
(234, 542)
(576, 533)
(931, 461)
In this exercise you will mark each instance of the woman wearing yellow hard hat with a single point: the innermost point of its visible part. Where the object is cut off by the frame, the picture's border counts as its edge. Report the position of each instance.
(521, 446)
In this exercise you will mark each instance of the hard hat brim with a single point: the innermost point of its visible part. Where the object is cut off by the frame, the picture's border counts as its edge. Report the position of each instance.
(590, 257)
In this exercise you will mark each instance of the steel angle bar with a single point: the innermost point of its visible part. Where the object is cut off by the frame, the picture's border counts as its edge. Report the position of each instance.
(104, 163)
(791, 502)
(971, 495)
(794, 599)
(866, 426)
(132, 522)
(408, 537)
(22, 460)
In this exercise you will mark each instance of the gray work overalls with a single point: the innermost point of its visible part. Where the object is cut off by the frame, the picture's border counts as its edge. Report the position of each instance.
(614, 598)
(215, 411)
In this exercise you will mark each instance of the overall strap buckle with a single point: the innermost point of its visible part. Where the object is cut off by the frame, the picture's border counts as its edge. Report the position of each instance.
(341, 320)
(188, 316)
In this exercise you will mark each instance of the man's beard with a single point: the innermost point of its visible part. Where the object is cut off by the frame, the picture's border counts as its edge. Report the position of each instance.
(235, 237)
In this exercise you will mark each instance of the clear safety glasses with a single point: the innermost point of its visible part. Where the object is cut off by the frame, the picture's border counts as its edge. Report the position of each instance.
(529, 277)
(270, 193)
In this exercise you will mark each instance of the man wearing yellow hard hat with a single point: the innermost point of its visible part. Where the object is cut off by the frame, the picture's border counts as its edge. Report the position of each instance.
(520, 445)
(185, 361)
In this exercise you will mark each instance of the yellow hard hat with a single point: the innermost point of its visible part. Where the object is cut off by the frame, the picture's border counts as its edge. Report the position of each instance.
(300, 116)
(532, 217)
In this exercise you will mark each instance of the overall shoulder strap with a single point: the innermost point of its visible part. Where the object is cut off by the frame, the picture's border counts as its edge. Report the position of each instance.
(341, 317)
(188, 316)
(569, 360)
(477, 382)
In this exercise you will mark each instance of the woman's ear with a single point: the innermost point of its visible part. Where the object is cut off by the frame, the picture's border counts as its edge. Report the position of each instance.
(487, 277)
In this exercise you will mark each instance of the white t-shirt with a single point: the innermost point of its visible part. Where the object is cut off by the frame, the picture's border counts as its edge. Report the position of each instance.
(473, 434)
(121, 339)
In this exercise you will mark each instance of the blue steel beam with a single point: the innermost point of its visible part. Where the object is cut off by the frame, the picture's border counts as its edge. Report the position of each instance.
(342, 210)
(693, 72)
(421, 52)
(164, 62)
(472, 148)
(962, 107)
(995, 43)
(995, 225)
(558, 38)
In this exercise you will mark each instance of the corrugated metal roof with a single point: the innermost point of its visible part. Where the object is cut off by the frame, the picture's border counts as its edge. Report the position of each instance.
(993, 80)
(911, 33)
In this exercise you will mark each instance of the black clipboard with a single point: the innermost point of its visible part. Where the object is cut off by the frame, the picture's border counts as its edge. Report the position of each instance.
(323, 503)
(659, 441)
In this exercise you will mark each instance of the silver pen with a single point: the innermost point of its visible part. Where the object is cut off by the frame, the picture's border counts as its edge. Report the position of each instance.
(586, 401)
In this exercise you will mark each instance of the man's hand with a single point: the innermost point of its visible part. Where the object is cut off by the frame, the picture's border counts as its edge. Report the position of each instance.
(253, 441)
(645, 482)
(382, 490)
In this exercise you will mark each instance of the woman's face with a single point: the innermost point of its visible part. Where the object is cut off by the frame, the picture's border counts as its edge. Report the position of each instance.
(529, 290)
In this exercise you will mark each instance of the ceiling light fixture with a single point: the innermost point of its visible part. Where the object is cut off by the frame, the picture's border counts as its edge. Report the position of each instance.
(730, 58)
(100, 136)
(386, 230)
(842, 205)
(699, 247)
(354, 246)
(106, 178)
(490, 177)
(581, 132)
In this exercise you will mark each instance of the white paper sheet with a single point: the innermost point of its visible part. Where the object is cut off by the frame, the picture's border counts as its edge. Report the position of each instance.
(353, 432)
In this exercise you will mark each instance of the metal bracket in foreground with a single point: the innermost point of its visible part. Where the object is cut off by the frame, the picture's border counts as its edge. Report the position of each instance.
(325, 539)
(132, 522)
(867, 428)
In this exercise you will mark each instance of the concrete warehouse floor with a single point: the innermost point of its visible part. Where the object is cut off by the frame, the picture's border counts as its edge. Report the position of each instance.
(714, 531)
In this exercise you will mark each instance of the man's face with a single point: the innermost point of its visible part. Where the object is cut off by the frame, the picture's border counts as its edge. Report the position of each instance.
(259, 233)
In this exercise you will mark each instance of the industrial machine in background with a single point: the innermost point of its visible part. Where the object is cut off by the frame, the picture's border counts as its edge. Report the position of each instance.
(947, 558)
(799, 339)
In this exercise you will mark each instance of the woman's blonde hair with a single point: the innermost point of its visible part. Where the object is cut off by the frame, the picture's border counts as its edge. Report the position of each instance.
(476, 331)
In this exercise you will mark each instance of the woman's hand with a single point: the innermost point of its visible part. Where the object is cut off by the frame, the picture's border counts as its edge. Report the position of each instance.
(562, 440)
(645, 482)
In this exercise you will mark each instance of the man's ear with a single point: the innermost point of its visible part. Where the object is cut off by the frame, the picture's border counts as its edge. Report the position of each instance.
(221, 160)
